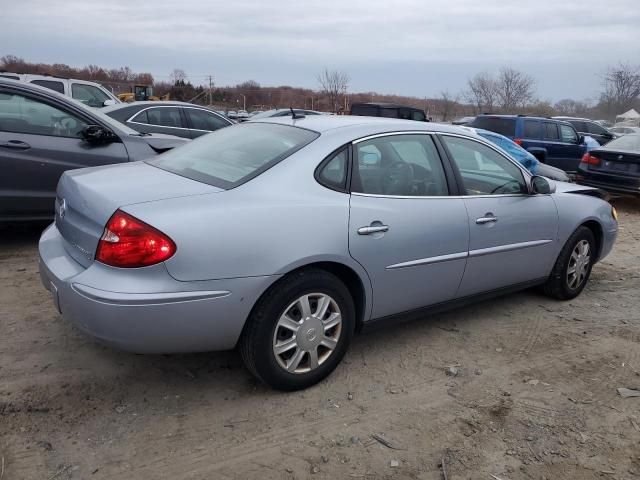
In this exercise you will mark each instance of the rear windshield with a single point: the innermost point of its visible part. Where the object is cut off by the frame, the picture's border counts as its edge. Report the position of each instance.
(503, 126)
(232, 156)
(628, 142)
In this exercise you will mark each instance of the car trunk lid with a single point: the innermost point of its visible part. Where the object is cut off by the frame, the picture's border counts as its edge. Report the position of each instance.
(620, 162)
(86, 199)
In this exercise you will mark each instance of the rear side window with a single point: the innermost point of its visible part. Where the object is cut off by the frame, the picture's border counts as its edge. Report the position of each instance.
(389, 112)
(503, 126)
(232, 156)
(165, 117)
(551, 131)
(50, 84)
(365, 110)
(398, 165)
(418, 116)
(532, 129)
(333, 172)
(141, 117)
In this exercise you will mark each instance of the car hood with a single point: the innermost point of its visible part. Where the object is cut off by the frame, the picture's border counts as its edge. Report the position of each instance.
(564, 187)
(162, 143)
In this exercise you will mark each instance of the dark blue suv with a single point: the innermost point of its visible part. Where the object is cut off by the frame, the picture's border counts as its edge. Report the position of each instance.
(554, 142)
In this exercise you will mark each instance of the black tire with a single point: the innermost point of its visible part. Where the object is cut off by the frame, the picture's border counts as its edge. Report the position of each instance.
(557, 285)
(256, 345)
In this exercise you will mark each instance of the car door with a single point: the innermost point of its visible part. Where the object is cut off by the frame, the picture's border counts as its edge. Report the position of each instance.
(39, 140)
(405, 228)
(201, 121)
(572, 149)
(512, 234)
(161, 119)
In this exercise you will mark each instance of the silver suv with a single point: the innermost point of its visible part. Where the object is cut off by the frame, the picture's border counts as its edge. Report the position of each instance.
(90, 93)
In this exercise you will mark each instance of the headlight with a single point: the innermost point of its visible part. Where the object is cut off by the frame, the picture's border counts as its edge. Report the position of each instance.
(614, 213)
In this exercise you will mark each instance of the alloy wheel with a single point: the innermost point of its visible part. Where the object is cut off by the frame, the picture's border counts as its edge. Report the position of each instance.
(307, 333)
(579, 263)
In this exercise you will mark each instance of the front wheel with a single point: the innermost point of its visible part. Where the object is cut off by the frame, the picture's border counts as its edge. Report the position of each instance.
(299, 330)
(573, 266)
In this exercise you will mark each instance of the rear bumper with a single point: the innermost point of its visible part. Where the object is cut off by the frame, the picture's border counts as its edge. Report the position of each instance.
(608, 182)
(152, 313)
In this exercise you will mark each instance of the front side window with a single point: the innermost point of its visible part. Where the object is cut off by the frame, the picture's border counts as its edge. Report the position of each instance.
(165, 117)
(203, 120)
(551, 131)
(88, 94)
(232, 156)
(568, 134)
(402, 165)
(22, 114)
(50, 84)
(483, 170)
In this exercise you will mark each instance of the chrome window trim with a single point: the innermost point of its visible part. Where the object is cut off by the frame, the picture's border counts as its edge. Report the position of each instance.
(526, 174)
(130, 119)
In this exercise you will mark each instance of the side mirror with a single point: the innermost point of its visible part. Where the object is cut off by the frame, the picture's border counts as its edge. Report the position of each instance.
(542, 186)
(98, 135)
(106, 103)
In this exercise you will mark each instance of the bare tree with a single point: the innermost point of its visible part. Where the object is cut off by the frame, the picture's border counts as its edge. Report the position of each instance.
(570, 108)
(447, 105)
(621, 88)
(482, 92)
(178, 76)
(333, 84)
(514, 89)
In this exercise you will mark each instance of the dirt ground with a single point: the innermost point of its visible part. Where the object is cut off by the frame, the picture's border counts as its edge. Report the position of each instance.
(534, 397)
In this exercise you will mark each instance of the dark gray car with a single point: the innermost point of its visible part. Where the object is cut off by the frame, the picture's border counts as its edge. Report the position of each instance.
(43, 133)
(587, 127)
(173, 118)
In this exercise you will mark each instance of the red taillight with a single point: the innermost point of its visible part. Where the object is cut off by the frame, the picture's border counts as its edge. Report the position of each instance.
(128, 242)
(590, 159)
(518, 141)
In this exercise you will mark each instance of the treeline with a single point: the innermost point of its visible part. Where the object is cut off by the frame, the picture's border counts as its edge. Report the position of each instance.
(506, 91)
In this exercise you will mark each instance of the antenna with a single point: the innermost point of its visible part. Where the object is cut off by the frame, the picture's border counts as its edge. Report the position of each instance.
(294, 115)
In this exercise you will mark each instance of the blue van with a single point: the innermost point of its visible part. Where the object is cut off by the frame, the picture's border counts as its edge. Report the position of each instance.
(554, 142)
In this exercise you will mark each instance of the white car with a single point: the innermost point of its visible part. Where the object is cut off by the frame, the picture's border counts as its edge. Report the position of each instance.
(90, 93)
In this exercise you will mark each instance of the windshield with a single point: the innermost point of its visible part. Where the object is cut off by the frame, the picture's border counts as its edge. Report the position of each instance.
(268, 113)
(628, 142)
(232, 156)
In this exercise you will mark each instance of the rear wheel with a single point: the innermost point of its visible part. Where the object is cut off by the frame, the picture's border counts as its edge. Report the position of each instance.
(573, 266)
(299, 330)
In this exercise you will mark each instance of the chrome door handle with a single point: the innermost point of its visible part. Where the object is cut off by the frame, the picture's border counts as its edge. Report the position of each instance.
(16, 145)
(483, 220)
(374, 229)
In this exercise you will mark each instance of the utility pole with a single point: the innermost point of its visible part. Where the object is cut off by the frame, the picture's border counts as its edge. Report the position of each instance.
(210, 90)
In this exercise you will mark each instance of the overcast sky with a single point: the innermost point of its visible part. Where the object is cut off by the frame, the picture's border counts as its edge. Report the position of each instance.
(408, 47)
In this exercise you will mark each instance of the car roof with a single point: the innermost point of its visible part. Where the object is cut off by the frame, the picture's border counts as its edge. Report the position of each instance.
(560, 117)
(324, 123)
(145, 103)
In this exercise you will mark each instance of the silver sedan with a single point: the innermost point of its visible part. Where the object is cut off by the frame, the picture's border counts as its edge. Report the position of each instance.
(286, 236)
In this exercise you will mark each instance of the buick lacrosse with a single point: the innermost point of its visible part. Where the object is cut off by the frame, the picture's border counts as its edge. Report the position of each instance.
(283, 237)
